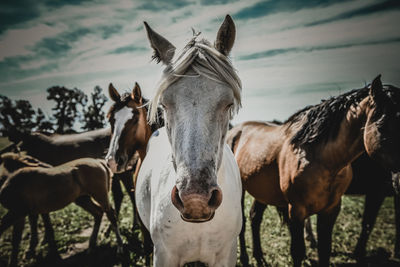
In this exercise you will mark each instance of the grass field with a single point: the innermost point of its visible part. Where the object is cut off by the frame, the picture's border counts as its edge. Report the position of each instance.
(4, 142)
(72, 229)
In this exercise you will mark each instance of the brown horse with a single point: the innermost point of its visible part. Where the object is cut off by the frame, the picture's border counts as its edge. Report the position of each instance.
(371, 180)
(130, 130)
(303, 165)
(130, 135)
(33, 189)
(57, 149)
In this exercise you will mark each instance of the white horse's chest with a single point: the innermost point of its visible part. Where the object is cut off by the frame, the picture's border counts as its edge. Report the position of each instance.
(184, 240)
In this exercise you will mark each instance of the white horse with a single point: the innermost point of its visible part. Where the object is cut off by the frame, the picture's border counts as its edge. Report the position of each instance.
(188, 189)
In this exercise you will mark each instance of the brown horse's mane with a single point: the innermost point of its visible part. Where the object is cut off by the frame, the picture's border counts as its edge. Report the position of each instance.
(321, 122)
(125, 98)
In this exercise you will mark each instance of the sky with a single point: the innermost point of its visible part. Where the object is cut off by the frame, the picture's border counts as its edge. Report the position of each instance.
(288, 53)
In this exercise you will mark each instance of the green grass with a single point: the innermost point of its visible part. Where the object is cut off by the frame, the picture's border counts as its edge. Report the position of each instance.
(69, 222)
(4, 142)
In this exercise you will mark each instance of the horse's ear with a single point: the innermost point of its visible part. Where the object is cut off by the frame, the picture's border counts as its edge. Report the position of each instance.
(136, 94)
(226, 36)
(114, 95)
(376, 90)
(163, 50)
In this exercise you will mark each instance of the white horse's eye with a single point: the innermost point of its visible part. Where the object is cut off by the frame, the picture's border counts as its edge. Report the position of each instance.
(229, 106)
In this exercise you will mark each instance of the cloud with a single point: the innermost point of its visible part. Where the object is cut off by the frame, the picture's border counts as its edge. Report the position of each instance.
(60, 44)
(216, 2)
(275, 52)
(17, 12)
(110, 30)
(164, 5)
(61, 3)
(127, 49)
(389, 5)
(12, 68)
(266, 8)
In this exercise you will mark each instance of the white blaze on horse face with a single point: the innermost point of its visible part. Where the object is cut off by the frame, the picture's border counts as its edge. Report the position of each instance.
(197, 116)
(121, 117)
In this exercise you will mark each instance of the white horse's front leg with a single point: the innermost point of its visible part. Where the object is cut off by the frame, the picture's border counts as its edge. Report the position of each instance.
(163, 258)
(227, 257)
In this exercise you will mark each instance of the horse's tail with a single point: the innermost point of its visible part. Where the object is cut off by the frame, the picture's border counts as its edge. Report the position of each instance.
(110, 174)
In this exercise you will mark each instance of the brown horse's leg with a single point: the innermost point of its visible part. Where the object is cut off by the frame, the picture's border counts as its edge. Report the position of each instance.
(112, 218)
(325, 223)
(16, 240)
(147, 243)
(34, 234)
(244, 258)
(127, 180)
(309, 233)
(87, 204)
(9, 219)
(256, 215)
(49, 233)
(397, 222)
(373, 201)
(296, 227)
(117, 192)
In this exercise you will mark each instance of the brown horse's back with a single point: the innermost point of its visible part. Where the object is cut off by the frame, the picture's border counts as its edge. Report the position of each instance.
(256, 156)
(37, 190)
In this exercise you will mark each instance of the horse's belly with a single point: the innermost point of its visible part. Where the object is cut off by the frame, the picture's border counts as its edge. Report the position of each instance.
(51, 199)
(264, 187)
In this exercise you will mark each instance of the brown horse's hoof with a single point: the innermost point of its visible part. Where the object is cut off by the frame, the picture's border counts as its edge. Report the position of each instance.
(30, 254)
(244, 259)
(261, 261)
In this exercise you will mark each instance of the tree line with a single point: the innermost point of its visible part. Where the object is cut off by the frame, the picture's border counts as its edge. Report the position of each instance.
(71, 106)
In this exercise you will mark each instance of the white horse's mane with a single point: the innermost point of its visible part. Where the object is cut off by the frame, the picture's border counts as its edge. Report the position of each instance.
(205, 60)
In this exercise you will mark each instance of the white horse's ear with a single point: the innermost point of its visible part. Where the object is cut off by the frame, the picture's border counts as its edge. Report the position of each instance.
(114, 95)
(136, 94)
(376, 90)
(226, 36)
(163, 50)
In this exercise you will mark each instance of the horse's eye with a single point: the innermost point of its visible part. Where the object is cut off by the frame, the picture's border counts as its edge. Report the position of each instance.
(229, 106)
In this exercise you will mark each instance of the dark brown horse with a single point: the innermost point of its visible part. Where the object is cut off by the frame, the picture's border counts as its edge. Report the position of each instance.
(303, 165)
(34, 189)
(369, 179)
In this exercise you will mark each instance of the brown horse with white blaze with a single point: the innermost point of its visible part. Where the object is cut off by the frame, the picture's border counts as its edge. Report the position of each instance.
(130, 135)
(303, 165)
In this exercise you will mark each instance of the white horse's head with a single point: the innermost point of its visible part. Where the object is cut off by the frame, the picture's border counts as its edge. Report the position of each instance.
(199, 92)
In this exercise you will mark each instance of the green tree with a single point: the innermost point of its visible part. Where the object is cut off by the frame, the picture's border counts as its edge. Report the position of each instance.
(42, 123)
(94, 116)
(69, 102)
(16, 116)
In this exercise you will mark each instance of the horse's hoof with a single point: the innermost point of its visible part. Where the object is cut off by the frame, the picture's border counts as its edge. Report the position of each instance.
(358, 255)
(120, 250)
(53, 255)
(30, 254)
(261, 261)
(397, 253)
(244, 259)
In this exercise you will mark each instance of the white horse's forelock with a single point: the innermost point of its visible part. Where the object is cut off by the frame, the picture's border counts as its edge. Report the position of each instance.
(205, 60)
